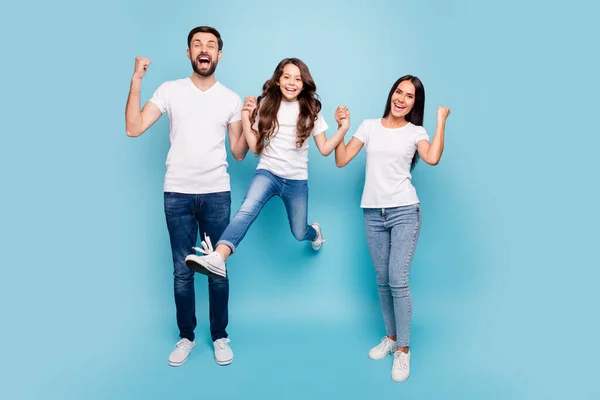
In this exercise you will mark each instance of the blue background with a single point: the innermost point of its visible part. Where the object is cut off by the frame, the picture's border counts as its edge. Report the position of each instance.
(506, 272)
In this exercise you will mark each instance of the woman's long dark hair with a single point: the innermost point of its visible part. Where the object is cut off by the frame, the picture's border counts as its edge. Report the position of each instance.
(270, 99)
(415, 116)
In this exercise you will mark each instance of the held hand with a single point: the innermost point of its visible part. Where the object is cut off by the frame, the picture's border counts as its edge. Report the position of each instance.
(249, 105)
(442, 113)
(342, 117)
(141, 66)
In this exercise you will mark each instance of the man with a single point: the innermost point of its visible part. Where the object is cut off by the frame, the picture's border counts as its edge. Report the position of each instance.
(197, 193)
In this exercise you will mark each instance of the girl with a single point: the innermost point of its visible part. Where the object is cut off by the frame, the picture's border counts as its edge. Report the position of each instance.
(288, 112)
(391, 207)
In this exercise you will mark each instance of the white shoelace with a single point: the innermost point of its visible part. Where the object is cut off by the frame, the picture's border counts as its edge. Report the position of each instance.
(184, 343)
(207, 256)
(384, 343)
(400, 361)
(222, 343)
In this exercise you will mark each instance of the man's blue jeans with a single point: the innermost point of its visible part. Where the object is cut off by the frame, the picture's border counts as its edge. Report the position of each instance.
(188, 214)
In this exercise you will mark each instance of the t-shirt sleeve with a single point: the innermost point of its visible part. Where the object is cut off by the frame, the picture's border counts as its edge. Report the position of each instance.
(160, 98)
(362, 132)
(320, 125)
(237, 112)
(421, 134)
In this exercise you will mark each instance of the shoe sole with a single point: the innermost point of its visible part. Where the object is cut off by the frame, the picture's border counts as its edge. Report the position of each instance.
(379, 358)
(224, 362)
(400, 380)
(175, 364)
(203, 269)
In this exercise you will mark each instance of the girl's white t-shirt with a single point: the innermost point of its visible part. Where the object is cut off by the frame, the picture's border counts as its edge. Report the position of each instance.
(281, 156)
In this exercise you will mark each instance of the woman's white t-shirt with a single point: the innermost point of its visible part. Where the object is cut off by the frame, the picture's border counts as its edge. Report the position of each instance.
(389, 154)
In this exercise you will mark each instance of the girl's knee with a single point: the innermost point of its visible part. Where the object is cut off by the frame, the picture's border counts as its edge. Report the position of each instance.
(299, 235)
(300, 232)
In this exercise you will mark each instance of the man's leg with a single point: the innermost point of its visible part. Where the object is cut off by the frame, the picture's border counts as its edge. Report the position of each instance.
(214, 217)
(183, 229)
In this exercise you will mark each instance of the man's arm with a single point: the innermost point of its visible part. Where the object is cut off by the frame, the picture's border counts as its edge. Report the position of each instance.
(237, 141)
(138, 121)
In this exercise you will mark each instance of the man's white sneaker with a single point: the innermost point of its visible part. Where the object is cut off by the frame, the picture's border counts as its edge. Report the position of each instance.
(183, 348)
(317, 243)
(401, 367)
(387, 346)
(223, 353)
(211, 264)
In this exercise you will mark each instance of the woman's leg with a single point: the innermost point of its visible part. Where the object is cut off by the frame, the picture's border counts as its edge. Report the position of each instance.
(405, 223)
(378, 240)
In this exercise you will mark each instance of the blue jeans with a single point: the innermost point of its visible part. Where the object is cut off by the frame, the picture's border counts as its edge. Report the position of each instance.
(188, 214)
(263, 186)
(392, 235)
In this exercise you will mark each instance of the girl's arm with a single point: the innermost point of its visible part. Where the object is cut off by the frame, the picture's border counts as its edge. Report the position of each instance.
(326, 146)
(250, 134)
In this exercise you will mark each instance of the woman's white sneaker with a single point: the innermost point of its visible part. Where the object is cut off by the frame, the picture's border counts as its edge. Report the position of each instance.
(386, 347)
(223, 353)
(183, 348)
(401, 367)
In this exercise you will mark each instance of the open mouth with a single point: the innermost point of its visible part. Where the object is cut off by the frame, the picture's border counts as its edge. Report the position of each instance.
(290, 90)
(203, 61)
(399, 107)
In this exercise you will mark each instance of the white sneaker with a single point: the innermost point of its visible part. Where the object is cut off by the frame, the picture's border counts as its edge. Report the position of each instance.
(387, 346)
(211, 265)
(318, 242)
(183, 348)
(223, 353)
(401, 367)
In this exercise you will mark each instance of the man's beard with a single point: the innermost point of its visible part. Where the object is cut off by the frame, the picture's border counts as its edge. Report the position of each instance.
(204, 72)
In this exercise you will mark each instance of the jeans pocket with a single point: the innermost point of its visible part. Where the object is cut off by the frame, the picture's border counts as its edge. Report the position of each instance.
(418, 211)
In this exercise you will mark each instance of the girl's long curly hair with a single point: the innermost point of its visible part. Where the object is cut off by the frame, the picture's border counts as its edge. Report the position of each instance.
(270, 99)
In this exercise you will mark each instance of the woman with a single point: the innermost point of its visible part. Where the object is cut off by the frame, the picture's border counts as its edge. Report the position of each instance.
(391, 207)
(277, 130)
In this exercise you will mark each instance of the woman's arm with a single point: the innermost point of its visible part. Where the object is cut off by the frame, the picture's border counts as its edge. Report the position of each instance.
(431, 153)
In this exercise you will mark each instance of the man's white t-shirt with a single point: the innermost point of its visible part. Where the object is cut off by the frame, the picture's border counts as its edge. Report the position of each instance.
(197, 159)
(281, 156)
(389, 155)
